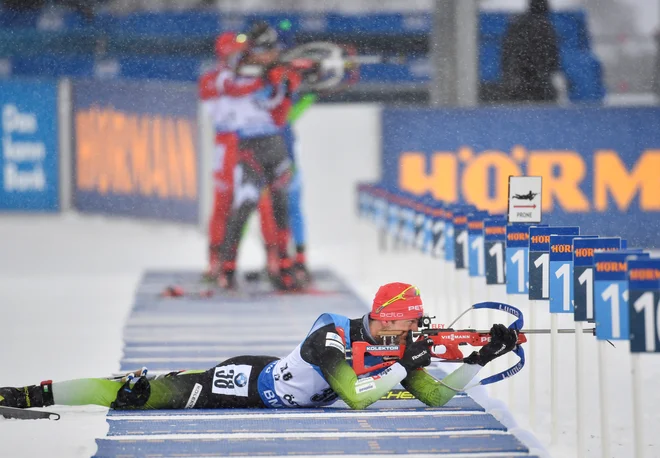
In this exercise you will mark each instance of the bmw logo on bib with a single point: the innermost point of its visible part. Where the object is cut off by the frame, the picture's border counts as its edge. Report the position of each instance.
(240, 380)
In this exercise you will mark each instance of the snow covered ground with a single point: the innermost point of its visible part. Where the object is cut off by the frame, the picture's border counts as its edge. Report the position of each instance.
(66, 287)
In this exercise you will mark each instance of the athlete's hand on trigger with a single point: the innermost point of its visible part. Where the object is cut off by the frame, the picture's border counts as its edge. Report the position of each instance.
(502, 341)
(417, 354)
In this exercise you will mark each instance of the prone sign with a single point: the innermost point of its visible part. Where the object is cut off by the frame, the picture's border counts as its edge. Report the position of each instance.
(524, 204)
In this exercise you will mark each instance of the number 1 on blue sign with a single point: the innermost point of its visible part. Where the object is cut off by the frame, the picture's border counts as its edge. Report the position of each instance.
(495, 251)
(477, 254)
(561, 273)
(519, 260)
(611, 295)
(461, 241)
(475, 230)
(541, 271)
(616, 298)
(517, 255)
(586, 278)
(543, 262)
(644, 304)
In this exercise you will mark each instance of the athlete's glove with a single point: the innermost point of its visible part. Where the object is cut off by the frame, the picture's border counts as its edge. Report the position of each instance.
(502, 341)
(132, 395)
(417, 354)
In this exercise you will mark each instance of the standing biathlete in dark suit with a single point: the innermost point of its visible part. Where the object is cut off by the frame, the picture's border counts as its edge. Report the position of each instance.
(315, 374)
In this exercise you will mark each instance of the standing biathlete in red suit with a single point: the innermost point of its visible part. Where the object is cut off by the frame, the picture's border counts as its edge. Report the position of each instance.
(218, 89)
(264, 160)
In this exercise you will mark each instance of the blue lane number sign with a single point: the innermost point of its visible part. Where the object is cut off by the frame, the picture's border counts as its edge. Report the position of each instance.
(539, 258)
(494, 241)
(477, 260)
(583, 273)
(644, 305)
(611, 295)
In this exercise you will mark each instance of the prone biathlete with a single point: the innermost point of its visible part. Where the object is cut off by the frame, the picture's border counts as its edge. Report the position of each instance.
(315, 374)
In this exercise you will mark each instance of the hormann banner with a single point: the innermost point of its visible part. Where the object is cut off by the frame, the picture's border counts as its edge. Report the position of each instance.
(29, 157)
(600, 166)
(135, 149)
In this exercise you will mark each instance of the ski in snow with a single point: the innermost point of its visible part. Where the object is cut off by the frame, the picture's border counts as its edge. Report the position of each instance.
(24, 414)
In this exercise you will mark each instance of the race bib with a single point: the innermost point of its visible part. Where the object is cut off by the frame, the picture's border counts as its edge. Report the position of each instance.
(231, 380)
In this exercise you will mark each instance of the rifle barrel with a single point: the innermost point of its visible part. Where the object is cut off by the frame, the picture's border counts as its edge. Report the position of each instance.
(524, 331)
(548, 331)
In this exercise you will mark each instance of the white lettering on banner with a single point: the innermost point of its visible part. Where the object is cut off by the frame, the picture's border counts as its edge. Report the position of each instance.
(415, 307)
(30, 175)
(22, 151)
(15, 121)
(29, 180)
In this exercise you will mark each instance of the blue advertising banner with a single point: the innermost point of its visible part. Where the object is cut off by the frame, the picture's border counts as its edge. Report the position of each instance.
(135, 149)
(29, 154)
(602, 168)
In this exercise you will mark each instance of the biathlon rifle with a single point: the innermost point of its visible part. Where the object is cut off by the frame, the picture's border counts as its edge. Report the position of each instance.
(447, 342)
(326, 66)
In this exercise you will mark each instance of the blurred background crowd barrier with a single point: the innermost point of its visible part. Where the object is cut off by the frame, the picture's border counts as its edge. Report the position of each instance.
(173, 40)
(100, 112)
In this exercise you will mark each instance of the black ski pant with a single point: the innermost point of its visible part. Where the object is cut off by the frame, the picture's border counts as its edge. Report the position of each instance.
(263, 161)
